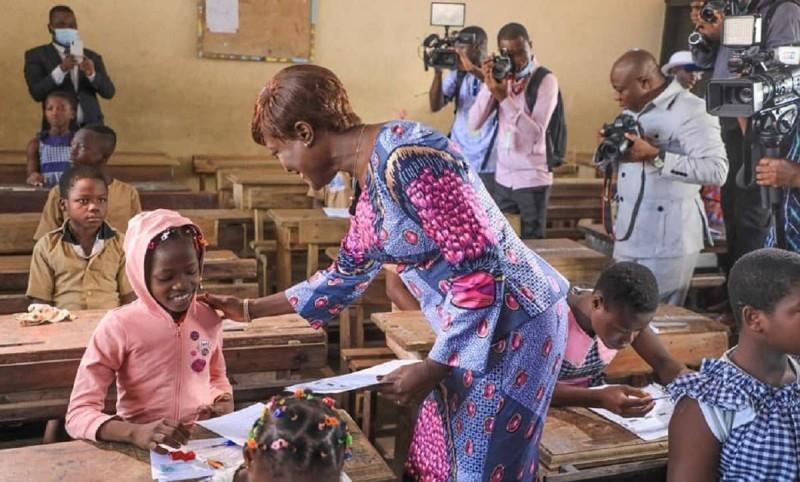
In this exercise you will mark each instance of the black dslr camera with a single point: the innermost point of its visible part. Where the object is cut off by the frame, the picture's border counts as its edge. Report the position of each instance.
(440, 53)
(501, 65)
(615, 144)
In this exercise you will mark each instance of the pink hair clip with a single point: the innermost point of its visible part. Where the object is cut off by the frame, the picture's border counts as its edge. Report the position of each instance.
(279, 444)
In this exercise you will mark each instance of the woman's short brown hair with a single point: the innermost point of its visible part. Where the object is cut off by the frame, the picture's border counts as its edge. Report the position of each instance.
(308, 93)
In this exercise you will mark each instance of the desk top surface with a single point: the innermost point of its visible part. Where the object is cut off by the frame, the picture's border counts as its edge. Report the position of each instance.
(580, 437)
(292, 217)
(210, 164)
(264, 177)
(117, 159)
(25, 344)
(87, 462)
(563, 248)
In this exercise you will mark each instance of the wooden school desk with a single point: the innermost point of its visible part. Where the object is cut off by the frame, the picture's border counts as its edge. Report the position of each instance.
(38, 364)
(82, 461)
(269, 190)
(207, 166)
(572, 199)
(688, 336)
(127, 166)
(578, 444)
(297, 229)
(18, 198)
(577, 262)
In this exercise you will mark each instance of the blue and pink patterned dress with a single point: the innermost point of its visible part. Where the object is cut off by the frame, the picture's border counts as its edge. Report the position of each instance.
(498, 310)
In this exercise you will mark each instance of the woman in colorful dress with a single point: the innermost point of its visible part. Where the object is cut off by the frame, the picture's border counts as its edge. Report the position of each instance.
(498, 310)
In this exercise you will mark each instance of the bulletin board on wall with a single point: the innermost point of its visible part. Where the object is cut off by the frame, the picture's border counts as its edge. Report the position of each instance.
(256, 30)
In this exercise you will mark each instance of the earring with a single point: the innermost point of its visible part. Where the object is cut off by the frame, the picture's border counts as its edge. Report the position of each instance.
(307, 144)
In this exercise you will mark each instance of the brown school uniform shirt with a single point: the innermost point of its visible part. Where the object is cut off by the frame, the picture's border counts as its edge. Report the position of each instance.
(123, 204)
(66, 280)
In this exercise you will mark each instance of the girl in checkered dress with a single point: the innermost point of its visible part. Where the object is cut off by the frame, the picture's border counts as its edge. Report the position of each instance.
(602, 322)
(738, 419)
(48, 154)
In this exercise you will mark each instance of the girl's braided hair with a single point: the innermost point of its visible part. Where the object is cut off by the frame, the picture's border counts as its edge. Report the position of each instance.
(302, 433)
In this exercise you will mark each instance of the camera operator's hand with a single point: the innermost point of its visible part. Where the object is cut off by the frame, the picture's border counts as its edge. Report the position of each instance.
(498, 89)
(772, 172)
(640, 150)
(466, 65)
(68, 63)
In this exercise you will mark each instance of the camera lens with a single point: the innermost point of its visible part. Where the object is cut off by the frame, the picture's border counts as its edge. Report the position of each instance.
(743, 95)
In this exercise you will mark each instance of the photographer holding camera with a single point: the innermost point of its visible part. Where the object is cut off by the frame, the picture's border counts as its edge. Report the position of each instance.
(660, 221)
(523, 178)
(461, 87)
(746, 221)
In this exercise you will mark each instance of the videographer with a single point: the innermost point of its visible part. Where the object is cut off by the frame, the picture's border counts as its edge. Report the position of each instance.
(462, 86)
(661, 222)
(746, 221)
(523, 179)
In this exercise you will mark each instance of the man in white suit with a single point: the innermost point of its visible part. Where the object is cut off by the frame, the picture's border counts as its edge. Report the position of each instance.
(661, 222)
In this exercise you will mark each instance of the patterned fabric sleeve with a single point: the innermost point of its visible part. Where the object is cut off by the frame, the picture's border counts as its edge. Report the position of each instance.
(329, 291)
(434, 190)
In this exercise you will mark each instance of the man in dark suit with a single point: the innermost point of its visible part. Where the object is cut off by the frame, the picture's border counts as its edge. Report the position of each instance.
(53, 67)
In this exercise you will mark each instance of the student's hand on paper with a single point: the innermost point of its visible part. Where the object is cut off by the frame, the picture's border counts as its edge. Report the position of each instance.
(36, 179)
(231, 306)
(626, 401)
(410, 384)
(168, 432)
(222, 405)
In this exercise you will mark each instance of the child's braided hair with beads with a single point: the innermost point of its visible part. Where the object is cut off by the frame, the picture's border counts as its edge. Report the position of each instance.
(302, 434)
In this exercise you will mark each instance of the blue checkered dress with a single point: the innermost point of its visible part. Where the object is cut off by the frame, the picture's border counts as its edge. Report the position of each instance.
(767, 448)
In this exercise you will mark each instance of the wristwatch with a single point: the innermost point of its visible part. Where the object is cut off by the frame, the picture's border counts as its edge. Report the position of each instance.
(658, 162)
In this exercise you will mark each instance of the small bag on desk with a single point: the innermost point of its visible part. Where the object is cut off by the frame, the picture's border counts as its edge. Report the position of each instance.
(40, 313)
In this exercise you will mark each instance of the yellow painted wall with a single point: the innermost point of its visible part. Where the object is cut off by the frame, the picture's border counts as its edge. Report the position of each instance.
(169, 100)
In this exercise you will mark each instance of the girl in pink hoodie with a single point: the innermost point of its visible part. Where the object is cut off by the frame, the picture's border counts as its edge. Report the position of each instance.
(165, 348)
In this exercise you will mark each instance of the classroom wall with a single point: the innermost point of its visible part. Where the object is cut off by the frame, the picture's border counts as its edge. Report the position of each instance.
(169, 100)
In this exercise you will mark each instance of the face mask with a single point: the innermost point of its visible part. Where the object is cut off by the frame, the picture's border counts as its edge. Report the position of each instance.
(525, 72)
(65, 36)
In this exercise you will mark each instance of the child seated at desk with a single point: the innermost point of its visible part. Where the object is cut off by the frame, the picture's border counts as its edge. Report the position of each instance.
(165, 349)
(48, 152)
(80, 265)
(299, 438)
(602, 322)
(738, 418)
(93, 145)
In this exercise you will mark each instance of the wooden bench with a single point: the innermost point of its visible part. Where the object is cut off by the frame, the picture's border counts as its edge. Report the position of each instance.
(127, 166)
(85, 461)
(206, 166)
(38, 364)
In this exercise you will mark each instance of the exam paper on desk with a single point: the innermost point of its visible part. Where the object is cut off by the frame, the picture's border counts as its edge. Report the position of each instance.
(652, 426)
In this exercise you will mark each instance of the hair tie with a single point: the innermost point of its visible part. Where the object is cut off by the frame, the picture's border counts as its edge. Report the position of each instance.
(279, 444)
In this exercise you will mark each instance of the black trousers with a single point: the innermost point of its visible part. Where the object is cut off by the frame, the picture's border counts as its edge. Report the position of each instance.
(531, 205)
(488, 182)
(747, 223)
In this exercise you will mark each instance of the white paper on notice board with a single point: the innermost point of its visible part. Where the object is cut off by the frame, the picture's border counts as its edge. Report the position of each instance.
(222, 16)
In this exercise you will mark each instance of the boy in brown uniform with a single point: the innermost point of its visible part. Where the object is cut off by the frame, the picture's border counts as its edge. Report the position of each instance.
(81, 265)
(93, 145)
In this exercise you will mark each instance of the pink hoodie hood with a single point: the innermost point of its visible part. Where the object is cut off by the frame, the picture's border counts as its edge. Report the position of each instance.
(142, 228)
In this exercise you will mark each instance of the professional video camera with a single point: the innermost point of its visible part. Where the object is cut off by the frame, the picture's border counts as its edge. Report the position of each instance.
(615, 144)
(709, 14)
(767, 91)
(439, 51)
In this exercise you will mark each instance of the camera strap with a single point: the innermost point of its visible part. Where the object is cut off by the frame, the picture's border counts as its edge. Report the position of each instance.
(609, 194)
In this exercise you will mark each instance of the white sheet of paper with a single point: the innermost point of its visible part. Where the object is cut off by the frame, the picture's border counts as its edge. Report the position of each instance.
(222, 16)
(230, 325)
(164, 469)
(234, 426)
(337, 212)
(352, 381)
(652, 426)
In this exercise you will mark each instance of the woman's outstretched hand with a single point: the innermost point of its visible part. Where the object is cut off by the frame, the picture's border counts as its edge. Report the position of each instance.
(231, 306)
(410, 384)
